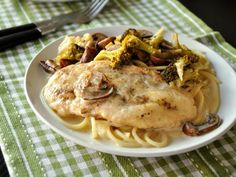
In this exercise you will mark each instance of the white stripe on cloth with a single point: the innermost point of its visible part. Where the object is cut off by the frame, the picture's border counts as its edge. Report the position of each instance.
(120, 166)
(127, 13)
(209, 165)
(16, 138)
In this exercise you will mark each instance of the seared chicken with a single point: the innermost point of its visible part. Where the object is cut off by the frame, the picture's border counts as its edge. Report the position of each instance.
(126, 96)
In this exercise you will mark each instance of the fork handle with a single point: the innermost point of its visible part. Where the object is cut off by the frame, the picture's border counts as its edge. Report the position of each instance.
(24, 34)
(17, 29)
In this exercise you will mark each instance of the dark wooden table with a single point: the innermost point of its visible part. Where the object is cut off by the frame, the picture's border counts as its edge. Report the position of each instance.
(220, 15)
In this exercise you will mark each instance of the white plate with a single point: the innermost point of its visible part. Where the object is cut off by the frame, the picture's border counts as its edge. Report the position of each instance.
(36, 78)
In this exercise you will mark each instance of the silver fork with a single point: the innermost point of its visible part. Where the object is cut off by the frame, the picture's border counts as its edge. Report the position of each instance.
(17, 35)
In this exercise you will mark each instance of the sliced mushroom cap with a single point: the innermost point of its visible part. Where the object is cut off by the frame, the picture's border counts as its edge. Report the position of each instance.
(102, 44)
(141, 55)
(98, 95)
(94, 86)
(170, 54)
(166, 44)
(137, 33)
(213, 121)
(145, 33)
(66, 62)
(159, 61)
(49, 66)
(88, 55)
(98, 36)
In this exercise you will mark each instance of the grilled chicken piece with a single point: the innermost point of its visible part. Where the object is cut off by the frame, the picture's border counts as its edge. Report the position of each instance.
(130, 95)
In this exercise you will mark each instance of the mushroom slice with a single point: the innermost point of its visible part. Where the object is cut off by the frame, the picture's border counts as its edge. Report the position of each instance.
(66, 62)
(102, 44)
(138, 33)
(88, 55)
(169, 54)
(49, 66)
(166, 45)
(212, 123)
(141, 55)
(98, 36)
(94, 86)
(99, 95)
(145, 33)
(159, 61)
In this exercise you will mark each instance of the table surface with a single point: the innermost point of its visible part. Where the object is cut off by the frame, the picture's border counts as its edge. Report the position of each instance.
(215, 14)
(220, 15)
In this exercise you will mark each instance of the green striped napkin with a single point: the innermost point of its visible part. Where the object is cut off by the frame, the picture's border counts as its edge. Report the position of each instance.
(31, 148)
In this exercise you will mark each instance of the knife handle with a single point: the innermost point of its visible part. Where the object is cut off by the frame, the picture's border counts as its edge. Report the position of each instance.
(25, 33)
(17, 29)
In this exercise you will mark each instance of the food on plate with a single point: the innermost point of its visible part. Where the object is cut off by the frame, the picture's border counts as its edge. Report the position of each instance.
(137, 88)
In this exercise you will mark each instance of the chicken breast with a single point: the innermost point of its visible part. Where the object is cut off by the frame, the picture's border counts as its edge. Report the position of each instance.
(127, 96)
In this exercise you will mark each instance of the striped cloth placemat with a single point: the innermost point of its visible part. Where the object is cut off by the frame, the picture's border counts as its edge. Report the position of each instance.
(31, 148)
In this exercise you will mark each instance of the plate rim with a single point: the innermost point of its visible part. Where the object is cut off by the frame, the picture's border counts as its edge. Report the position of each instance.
(107, 150)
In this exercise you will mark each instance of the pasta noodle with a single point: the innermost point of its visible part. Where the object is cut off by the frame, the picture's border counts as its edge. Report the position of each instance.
(138, 139)
(94, 128)
(121, 142)
(160, 143)
(79, 126)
